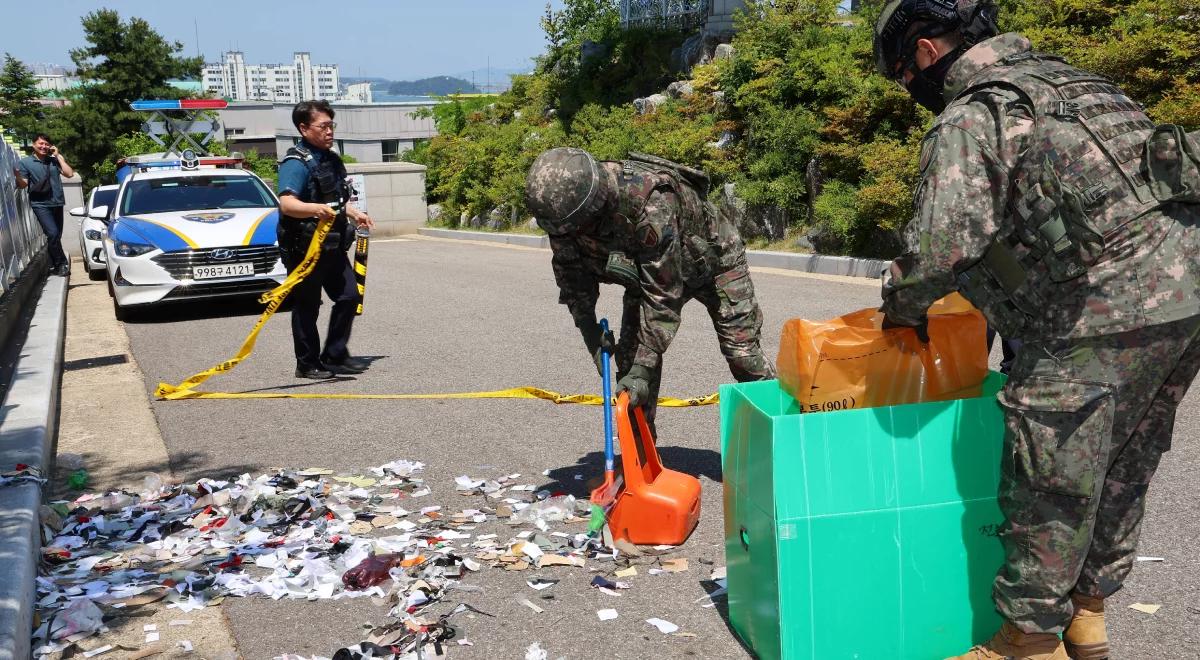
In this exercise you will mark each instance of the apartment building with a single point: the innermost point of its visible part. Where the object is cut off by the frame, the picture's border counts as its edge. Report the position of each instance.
(233, 79)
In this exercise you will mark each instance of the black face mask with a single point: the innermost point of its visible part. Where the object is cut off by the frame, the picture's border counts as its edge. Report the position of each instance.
(928, 86)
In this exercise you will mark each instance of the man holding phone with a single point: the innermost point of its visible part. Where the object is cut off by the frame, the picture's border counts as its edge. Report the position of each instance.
(42, 173)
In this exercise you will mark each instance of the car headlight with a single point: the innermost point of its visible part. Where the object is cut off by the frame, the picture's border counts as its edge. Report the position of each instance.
(92, 235)
(128, 249)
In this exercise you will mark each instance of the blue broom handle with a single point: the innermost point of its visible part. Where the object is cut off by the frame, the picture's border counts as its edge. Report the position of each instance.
(606, 370)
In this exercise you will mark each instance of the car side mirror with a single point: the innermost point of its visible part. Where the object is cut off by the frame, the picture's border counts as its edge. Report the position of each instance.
(77, 212)
(98, 213)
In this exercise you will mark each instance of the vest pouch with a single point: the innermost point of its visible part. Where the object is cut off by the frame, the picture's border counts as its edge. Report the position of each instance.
(1057, 225)
(622, 269)
(1173, 165)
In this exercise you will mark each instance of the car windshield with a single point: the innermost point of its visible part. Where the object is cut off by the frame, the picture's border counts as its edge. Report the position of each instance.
(104, 198)
(194, 193)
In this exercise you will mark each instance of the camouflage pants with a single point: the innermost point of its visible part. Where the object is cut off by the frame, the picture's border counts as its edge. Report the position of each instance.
(735, 315)
(1087, 420)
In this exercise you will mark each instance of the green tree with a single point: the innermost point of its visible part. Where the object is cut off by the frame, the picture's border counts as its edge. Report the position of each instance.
(19, 109)
(123, 61)
(1151, 48)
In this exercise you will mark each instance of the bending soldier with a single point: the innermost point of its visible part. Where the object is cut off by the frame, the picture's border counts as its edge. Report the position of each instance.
(644, 224)
(1052, 202)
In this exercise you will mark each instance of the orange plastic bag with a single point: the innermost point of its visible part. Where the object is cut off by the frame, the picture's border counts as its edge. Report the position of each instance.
(851, 362)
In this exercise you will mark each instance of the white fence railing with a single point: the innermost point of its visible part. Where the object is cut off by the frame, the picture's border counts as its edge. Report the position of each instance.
(20, 235)
(665, 14)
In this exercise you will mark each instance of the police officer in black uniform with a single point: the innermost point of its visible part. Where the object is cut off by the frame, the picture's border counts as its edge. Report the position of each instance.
(312, 187)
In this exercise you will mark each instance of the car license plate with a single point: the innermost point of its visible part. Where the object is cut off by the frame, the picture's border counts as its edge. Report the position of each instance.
(222, 270)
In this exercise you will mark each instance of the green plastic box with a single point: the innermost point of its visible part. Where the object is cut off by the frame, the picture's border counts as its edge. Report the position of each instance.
(867, 534)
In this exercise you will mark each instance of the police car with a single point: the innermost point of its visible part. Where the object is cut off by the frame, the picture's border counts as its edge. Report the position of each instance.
(190, 228)
(93, 222)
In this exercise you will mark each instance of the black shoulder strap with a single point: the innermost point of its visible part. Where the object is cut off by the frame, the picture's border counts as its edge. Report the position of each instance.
(297, 153)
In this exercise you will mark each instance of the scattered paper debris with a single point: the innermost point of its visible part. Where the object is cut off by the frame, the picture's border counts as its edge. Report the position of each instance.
(98, 651)
(536, 652)
(678, 565)
(1140, 558)
(151, 637)
(535, 608)
(1145, 608)
(627, 572)
(607, 614)
(664, 627)
(539, 583)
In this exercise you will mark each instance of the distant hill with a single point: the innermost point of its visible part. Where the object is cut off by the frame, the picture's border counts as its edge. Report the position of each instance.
(439, 86)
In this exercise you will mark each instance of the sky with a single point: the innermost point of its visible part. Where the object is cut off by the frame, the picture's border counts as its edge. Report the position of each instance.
(394, 39)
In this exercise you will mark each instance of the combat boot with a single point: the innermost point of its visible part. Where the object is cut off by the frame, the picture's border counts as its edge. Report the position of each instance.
(1086, 637)
(1012, 644)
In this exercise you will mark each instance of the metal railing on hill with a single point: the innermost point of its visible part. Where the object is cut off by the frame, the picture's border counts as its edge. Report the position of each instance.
(664, 14)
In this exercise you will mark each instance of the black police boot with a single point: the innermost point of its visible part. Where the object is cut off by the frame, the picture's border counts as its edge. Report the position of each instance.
(314, 372)
(347, 365)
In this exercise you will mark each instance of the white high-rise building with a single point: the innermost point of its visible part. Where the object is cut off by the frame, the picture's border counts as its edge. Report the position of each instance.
(233, 79)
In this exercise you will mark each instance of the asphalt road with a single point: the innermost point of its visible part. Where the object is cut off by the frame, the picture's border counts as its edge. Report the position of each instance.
(447, 316)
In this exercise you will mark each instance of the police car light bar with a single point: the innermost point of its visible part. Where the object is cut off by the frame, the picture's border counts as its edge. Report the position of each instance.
(183, 104)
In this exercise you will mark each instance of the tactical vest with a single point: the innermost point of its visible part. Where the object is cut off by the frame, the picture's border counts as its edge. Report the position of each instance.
(710, 242)
(1082, 179)
(326, 184)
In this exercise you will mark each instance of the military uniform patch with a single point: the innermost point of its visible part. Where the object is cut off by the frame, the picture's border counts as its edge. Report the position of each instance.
(927, 149)
(648, 235)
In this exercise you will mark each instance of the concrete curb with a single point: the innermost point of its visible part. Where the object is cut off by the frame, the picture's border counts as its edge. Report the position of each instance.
(808, 263)
(524, 240)
(27, 435)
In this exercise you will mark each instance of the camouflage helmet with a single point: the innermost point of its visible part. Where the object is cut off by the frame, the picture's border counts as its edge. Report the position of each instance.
(566, 190)
(902, 22)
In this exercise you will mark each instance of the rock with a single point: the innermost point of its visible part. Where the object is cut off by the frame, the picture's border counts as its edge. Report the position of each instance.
(825, 241)
(516, 114)
(464, 220)
(720, 105)
(725, 141)
(498, 218)
(723, 52)
(532, 224)
(475, 222)
(802, 243)
(591, 51)
(433, 212)
(550, 113)
(649, 104)
(764, 221)
(680, 89)
(696, 49)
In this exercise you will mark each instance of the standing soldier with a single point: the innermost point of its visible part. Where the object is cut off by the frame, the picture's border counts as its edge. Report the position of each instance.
(644, 223)
(1052, 203)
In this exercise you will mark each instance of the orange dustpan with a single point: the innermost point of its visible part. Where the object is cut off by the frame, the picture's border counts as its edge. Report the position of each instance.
(657, 506)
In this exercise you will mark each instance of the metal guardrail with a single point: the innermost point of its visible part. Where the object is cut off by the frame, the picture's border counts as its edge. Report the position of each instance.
(21, 238)
(664, 14)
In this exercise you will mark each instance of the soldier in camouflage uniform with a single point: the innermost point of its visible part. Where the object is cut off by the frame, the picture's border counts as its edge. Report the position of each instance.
(644, 224)
(1052, 202)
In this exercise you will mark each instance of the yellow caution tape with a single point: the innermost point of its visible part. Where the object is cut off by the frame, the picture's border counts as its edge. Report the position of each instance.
(275, 297)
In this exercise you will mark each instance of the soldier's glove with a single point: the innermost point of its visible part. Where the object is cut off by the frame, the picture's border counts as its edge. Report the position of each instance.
(637, 383)
(596, 342)
(921, 329)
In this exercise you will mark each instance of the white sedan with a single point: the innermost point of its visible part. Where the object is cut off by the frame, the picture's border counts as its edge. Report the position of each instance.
(91, 229)
(187, 234)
